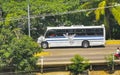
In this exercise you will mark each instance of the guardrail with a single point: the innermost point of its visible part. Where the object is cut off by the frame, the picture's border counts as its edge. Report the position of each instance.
(66, 63)
(95, 62)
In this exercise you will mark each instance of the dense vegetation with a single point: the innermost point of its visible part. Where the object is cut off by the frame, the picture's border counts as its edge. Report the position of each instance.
(60, 12)
(16, 51)
(79, 65)
(17, 48)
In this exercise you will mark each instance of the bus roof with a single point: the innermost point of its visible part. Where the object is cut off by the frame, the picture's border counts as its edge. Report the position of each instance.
(75, 27)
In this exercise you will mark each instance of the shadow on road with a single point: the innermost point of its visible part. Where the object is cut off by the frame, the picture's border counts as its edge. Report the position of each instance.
(76, 47)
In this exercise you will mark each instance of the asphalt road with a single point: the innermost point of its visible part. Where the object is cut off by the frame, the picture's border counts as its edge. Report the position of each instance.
(62, 55)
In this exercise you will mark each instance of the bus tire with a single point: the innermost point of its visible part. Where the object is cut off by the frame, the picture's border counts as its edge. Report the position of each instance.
(85, 44)
(44, 45)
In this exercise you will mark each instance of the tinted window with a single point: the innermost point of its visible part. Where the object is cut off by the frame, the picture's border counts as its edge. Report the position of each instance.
(71, 31)
(60, 32)
(90, 31)
(99, 31)
(80, 32)
(50, 33)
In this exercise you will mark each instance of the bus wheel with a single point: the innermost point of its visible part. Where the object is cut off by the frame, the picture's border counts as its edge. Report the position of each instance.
(85, 44)
(44, 45)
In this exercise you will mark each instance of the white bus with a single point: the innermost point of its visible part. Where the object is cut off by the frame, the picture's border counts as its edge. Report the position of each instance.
(84, 36)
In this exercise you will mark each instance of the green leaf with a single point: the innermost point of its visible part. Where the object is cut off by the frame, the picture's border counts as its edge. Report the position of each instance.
(116, 13)
(7, 54)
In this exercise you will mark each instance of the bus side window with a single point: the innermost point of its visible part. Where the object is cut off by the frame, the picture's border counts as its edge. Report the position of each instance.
(50, 33)
(99, 31)
(90, 32)
(80, 32)
(60, 32)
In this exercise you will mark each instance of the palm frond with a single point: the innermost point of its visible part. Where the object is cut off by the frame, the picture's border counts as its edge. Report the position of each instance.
(116, 13)
(100, 10)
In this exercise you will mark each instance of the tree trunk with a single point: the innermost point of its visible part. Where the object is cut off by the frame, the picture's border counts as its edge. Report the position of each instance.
(107, 23)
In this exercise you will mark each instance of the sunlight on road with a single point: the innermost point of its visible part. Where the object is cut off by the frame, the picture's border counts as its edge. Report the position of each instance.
(42, 54)
(112, 42)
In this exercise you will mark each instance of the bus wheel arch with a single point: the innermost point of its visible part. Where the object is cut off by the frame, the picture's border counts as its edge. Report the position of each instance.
(85, 44)
(44, 45)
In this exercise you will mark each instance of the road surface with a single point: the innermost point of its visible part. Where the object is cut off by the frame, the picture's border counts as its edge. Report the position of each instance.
(64, 55)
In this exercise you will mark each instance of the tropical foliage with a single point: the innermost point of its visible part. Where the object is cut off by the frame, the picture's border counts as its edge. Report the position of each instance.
(17, 50)
(79, 65)
(110, 62)
(108, 8)
(14, 13)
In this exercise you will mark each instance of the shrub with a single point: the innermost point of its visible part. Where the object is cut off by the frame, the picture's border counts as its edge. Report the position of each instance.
(110, 61)
(79, 64)
(17, 51)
